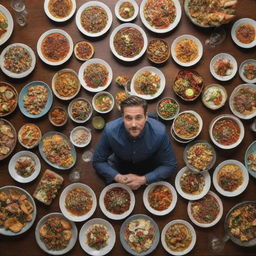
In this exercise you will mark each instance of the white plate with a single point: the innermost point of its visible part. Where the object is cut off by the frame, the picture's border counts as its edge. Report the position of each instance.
(164, 30)
(109, 214)
(5, 232)
(50, 16)
(205, 190)
(172, 205)
(241, 71)
(193, 233)
(66, 213)
(200, 50)
(81, 74)
(84, 242)
(241, 188)
(81, 145)
(135, 6)
(80, 11)
(232, 61)
(128, 25)
(231, 101)
(234, 28)
(18, 75)
(47, 33)
(13, 171)
(8, 16)
(41, 244)
(99, 94)
(207, 225)
(162, 82)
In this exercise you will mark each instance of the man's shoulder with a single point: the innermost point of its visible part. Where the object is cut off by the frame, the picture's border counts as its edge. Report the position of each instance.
(156, 126)
(114, 125)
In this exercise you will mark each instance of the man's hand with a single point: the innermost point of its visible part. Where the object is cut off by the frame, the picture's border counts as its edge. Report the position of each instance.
(134, 181)
(120, 178)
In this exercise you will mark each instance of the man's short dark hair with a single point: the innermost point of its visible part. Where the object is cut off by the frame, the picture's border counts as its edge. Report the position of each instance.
(134, 101)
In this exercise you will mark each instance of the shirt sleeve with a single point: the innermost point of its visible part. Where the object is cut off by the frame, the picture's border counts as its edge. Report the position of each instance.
(100, 159)
(167, 162)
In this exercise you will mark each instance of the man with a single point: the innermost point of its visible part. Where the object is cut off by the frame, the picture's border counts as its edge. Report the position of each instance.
(134, 150)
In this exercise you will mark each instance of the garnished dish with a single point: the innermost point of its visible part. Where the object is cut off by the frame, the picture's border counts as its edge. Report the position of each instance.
(65, 84)
(77, 202)
(120, 96)
(192, 185)
(223, 66)
(18, 211)
(24, 166)
(58, 116)
(117, 201)
(230, 178)
(210, 13)
(93, 18)
(80, 110)
(126, 10)
(187, 125)
(199, 156)
(8, 138)
(214, 96)
(123, 81)
(48, 187)
(83, 50)
(148, 83)
(55, 234)
(6, 24)
(128, 42)
(247, 71)
(243, 33)
(160, 198)
(35, 99)
(168, 108)
(250, 159)
(207, 211)
(158, 51)
(240, 223)
(103, 102)
(17, 60)
(160, 16)
(59, 10)
(139, 234)
(97, 237)
(188, 85)
(29, 135)
(178, 237)
(242, 101)
(57, 150)
(226, 131)
(80, 136)
(95, 75)
(55, 47)
(186, 50)
(8, 99)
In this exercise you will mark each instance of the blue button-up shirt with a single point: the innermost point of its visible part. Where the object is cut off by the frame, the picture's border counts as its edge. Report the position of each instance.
(149, 154)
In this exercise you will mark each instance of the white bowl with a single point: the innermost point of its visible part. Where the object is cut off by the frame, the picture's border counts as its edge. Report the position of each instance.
(234, 28)
(25, 73)
(232, 61)
(128, 25)
(8, 16)
(80, 11)
(135, 6)
(85, 143)
(162, 30)
(95, 61)
(241, 188)
(227, 116)
(47, 33)
(58, 19)
(241, 71)
(200, 50)
(171, 117)
(63, 196)
(98, 94)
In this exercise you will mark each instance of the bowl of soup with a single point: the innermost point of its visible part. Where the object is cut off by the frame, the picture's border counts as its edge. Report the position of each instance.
(103, 102)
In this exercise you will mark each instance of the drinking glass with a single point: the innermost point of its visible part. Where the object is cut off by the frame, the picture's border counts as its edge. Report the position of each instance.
(217, 243)
(20, 11)
(87, 155)
(216, 37)
(75, 175)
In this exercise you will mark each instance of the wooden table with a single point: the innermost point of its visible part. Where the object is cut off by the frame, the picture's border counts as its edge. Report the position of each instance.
(38, 23)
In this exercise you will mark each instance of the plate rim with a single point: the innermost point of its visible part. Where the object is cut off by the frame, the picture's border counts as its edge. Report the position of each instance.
(249, 148)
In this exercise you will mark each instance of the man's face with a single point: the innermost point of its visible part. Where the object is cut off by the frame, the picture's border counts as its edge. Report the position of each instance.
(134, 120)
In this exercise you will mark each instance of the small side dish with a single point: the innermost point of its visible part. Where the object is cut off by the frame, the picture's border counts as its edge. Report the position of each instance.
(158, 51)
(83, 50)
(214, 96)
(98, 122)
(48, 187)
(80, 110)
(126, 10)
(103, 102)
(80, 136)
(167, 108)
(247, 71)
(120, 96)
(58, 116)
(29, 135)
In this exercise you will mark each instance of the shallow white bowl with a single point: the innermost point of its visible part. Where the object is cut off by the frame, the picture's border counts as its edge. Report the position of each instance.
(83, 144)
(103, 93)
(241, 71)
(136, 10)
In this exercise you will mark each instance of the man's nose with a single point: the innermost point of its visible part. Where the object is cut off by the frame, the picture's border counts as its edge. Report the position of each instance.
(133, 123)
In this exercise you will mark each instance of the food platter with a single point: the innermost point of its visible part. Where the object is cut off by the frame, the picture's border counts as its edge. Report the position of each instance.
(250, 162)
(154, 16)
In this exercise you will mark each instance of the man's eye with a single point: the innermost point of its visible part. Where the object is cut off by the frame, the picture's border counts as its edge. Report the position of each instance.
(138, 117)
